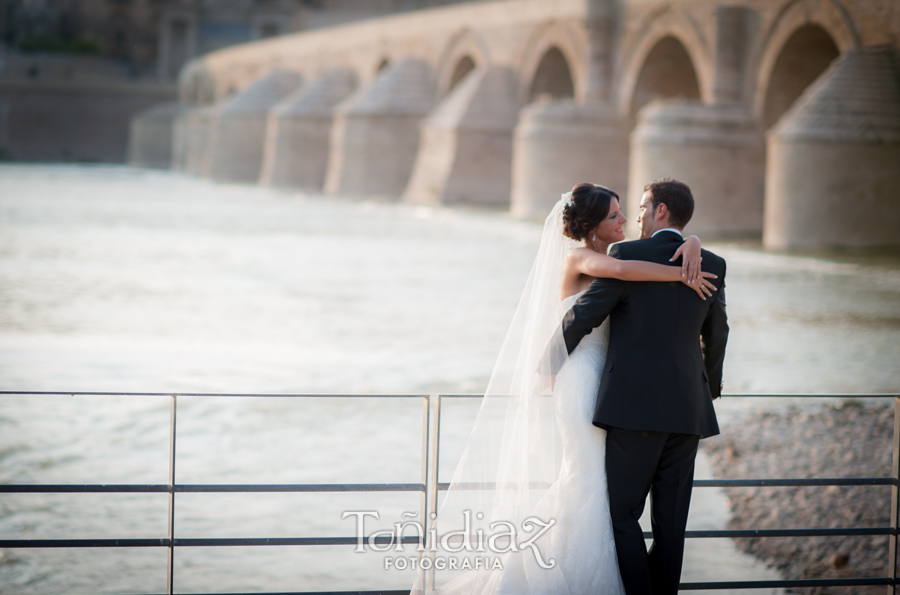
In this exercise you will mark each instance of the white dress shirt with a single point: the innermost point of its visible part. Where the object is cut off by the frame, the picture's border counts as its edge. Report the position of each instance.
(667, 229)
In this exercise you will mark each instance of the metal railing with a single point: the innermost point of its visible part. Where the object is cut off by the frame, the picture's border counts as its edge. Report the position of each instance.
(430, 487)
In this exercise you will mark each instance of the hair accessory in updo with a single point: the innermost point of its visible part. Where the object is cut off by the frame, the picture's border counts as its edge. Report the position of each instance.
(568, 198)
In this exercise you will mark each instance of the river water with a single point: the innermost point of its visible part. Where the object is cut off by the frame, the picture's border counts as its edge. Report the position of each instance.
(116, 279)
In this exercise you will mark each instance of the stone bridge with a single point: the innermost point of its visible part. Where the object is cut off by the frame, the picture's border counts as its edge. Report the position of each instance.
(782, 115)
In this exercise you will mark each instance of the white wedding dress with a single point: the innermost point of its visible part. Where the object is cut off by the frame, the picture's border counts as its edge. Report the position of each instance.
(534, 453)
(581, 541)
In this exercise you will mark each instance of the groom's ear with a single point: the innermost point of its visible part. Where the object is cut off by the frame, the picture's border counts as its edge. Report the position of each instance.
(661, 216)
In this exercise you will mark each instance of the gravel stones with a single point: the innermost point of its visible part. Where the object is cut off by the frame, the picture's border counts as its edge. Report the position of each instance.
(847, 439)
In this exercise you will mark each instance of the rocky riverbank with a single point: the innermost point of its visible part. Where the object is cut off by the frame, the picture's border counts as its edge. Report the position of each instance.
(847, 439)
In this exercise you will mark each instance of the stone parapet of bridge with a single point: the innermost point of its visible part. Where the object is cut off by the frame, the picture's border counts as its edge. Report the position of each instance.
(512, 102)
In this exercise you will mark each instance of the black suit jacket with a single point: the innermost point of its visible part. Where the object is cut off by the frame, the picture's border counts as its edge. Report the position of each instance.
(657, 376)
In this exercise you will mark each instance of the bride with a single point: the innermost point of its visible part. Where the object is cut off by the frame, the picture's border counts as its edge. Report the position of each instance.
(527, 509)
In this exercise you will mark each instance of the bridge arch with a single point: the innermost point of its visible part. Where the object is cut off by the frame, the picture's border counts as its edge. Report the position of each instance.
(464, 52)
(552, 64)
(803, 57)
(463, 68)
(667, 72)
(552, 77)
(806, 35)
(677, 31)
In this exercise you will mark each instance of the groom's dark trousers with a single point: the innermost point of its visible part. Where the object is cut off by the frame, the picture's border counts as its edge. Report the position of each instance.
(655, 401)
(662, 464)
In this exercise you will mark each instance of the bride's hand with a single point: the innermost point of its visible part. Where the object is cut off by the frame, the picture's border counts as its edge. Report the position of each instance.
(689, 251)
(701, 285)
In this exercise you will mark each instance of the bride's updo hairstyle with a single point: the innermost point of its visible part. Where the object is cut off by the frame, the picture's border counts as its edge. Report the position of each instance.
(587, 207)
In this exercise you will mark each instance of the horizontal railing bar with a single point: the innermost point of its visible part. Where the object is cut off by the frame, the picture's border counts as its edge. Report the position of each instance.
(840, 582)
(392, 487)
(478, 485)
(817, 396)
(311, 487)
(837, 582)
(844, 532)
(176, 394)
(827, 481)
(403, 395)
(734, 483)
(401, 592)
(98, 543)
(747, 395)
(816, 582)
(282, 541)
(220, 488)
(83, 489)
(198, 542)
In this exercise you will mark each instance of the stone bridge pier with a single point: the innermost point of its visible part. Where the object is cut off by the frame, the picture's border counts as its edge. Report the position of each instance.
(237, 129)
(466, 142)
(708, 138)
(834, 158)
(375, 136)
(776, 112)
(298, 133)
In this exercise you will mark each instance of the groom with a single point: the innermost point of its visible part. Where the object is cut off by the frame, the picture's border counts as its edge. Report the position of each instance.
(655, 399)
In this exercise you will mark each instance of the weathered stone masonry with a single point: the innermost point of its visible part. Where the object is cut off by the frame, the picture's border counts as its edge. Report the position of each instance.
(776, 112)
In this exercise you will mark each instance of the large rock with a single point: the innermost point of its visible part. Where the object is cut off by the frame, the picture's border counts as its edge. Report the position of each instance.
(833, 176)
(716, 149)
(376, 132)
(298, 136)
(239, 127)
(559, 144)
(466, 144)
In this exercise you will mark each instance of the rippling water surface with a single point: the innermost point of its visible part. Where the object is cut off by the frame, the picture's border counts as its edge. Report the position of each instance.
(114, 279)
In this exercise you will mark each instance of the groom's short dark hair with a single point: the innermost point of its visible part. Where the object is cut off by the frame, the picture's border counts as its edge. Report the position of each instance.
(676, 196)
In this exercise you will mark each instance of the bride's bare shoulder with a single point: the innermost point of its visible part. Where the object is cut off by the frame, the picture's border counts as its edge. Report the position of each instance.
(579, 253)
(575, 257)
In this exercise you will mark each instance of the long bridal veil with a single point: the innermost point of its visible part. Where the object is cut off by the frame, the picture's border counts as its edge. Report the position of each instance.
(514, 452)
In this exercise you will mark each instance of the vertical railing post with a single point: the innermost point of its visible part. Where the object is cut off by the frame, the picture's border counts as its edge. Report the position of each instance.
(426, 467)
(895, 502)
(434, 474)
(170, 578)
